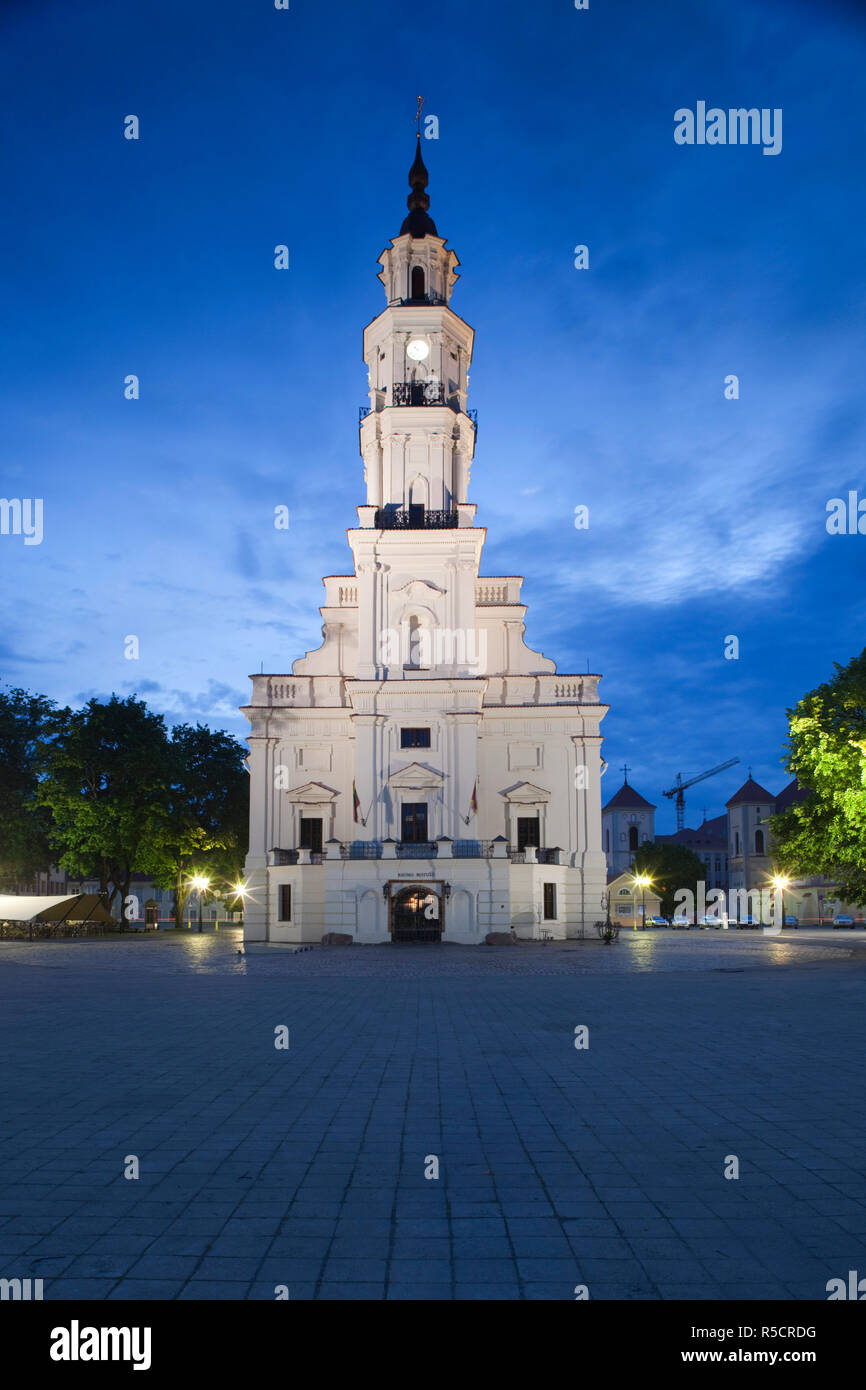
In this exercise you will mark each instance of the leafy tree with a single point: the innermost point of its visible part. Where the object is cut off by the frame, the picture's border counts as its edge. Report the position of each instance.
(670, 867)
(25, 728)
(105, 779)
(826, 833)
(202, 826)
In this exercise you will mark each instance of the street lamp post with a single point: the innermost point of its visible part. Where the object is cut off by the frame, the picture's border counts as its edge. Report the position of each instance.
(642, 881)
(780, 883)
(240, 895)
(200, 884)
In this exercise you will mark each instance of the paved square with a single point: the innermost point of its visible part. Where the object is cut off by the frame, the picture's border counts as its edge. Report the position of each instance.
(557, 1166)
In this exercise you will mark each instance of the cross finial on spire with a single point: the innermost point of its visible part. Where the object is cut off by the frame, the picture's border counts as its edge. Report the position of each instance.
(625, 771)
(418, 223)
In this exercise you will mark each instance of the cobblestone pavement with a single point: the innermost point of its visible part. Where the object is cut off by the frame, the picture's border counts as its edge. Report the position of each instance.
(558, 1166)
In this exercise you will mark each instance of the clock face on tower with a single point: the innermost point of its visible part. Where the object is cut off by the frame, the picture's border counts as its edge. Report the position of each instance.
(417, 349)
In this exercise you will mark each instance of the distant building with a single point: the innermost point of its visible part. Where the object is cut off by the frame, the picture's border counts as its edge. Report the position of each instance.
(628, 904)
(736, 848)
(627, 822)
(710, 843)
(749, 812)
(154, 906)
(51, 881)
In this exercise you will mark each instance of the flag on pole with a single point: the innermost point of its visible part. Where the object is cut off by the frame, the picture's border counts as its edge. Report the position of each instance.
(356, 801)
(473, 804)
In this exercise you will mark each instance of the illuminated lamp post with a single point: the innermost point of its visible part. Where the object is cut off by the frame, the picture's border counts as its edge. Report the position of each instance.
(642, 881)
(240, 893)
(780, 883)
(200, 884)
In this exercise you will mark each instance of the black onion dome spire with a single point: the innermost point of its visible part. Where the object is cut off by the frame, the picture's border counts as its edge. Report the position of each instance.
(418, 223)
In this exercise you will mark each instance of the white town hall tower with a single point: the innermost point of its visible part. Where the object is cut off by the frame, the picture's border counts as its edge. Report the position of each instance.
(424, 775)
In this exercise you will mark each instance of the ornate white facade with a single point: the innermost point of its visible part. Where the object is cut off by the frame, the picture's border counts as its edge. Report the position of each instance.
(424, 774)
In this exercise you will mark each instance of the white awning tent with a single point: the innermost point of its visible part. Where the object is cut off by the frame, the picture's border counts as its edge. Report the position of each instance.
(75, 907)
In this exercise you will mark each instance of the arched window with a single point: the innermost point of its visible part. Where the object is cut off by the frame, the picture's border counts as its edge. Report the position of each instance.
(759, 842)
(417, 282)
(632, 837)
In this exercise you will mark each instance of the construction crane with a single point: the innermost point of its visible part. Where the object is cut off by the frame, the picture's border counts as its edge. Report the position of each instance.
(680, 787)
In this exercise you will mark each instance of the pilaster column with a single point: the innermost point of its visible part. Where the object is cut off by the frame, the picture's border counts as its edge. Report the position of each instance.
(464, 768)
(370, 774)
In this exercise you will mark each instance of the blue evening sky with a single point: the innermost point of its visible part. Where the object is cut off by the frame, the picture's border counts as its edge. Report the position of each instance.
(601, 387)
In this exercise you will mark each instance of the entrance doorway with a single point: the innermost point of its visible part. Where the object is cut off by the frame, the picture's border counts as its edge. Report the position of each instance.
(416, 915)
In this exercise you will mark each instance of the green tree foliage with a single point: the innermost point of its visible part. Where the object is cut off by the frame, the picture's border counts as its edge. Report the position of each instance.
(104, 782)
(202, 826)
(25, 730)
(106, 791)
(670, 867)
(826, 833)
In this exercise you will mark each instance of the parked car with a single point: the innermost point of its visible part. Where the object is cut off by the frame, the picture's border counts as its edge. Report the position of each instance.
(657, 922)
(747, 922)
(710, 920)
(791, 921)
(680, 919)
(843, 920)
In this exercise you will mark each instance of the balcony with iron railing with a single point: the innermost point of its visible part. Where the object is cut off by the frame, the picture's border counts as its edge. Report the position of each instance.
(361, 849)
(533, 854)
(415, 849)
(415, 519)
(282, 858)
(425, 299)
(472, 849)
(420, 393)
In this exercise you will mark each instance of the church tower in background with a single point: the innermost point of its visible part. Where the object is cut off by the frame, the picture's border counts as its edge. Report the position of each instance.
(423, 775)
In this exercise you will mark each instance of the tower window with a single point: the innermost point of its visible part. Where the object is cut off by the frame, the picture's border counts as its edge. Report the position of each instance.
(414, 738)
(632, 837)
(417, 282)
(285, 902)
(759, 842)
(550, 902)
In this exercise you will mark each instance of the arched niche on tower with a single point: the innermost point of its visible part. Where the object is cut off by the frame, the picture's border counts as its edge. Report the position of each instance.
(419, 491)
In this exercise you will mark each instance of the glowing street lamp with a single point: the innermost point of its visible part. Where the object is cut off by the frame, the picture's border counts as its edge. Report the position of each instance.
(240, 893)
(642, 881)
(780, 883)
(200, 883)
